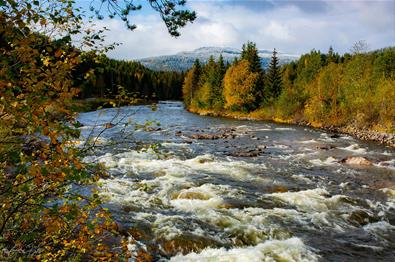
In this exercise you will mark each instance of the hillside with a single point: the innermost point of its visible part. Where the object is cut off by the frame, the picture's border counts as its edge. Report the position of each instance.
(182, 61)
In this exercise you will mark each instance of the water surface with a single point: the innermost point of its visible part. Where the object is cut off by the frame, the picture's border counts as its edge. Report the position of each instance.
(261, 192)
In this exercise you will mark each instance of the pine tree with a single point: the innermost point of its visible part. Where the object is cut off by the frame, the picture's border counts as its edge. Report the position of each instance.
(331, 55)
(191, 82)
(217, 91)
(197, 71)
(206, 86)
(273, 79)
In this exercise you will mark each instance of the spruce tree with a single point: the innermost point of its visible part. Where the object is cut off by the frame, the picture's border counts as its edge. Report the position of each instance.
(250, 53)
(197, 71)
(217, 96)
(273, 79)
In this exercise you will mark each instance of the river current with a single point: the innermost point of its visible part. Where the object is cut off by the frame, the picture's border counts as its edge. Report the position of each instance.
(215, 189)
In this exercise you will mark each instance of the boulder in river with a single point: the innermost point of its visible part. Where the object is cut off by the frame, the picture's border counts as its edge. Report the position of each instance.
(361, 217)
(325, 147)
(356, 160)
(206, 136)
(245, 153)
(185, 243)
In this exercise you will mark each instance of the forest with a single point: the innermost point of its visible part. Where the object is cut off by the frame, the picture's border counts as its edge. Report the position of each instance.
(320, 89)
(109, 75)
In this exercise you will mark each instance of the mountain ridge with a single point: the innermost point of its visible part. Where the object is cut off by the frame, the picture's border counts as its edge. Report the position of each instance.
(183, 61)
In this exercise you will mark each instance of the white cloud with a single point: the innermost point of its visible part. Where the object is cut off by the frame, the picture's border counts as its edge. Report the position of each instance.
(286, 27)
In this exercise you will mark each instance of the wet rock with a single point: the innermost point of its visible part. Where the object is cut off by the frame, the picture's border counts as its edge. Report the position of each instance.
(186, 243)
(140, 231)
(129, 208)
(190, 195)
(356, 160)
(108, 125)
(325, 147)
(237, 203)
(361, 217)
(178, 133)
(334, 136)
(245, 154)
(206, 136)
(277, 189)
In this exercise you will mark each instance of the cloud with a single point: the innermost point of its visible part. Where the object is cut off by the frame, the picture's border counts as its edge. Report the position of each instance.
(290, 26)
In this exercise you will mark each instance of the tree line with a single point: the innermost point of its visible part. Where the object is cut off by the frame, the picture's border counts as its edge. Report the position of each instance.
(106, 76)
(322, 89)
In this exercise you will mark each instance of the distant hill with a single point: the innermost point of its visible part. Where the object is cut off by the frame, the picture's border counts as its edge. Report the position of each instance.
(184, 60)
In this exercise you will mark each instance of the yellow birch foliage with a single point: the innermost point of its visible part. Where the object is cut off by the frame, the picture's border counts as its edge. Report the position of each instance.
(239, 83)
(43, 214)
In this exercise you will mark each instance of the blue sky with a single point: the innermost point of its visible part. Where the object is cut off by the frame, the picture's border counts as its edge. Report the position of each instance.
(291, 26)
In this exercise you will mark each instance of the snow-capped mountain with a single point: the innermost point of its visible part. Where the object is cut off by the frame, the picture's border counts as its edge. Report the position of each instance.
(183, 61)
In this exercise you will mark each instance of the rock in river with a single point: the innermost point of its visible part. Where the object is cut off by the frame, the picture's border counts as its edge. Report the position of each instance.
(356, 160)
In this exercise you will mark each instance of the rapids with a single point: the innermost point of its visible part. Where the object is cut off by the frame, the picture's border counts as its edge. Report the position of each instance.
(215, 189)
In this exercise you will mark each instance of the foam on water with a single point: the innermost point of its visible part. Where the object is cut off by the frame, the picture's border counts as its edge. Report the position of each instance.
(310, 200)
(150, 163)
(311, 141)
(292, 249)
(390, 164)
(327, 162)
(354, 148)
(284, 129)
(203, 197)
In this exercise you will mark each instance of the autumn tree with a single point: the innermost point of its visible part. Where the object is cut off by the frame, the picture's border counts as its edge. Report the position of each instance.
(43, 214)
(239, 86)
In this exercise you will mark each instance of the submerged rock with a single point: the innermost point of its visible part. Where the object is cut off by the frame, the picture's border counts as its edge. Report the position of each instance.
(186, 243)
(190, 195)
(277, 189)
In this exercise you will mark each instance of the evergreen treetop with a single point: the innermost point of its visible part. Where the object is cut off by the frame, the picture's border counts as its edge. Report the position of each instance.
(273, 78)
(250, 53)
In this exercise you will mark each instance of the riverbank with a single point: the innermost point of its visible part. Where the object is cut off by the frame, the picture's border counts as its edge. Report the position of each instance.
(95, 103)
(362, 134)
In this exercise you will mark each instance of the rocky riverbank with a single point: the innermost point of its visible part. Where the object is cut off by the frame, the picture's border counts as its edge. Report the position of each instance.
(359, 133)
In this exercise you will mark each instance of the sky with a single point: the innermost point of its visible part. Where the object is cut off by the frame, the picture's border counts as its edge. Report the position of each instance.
(291, 26)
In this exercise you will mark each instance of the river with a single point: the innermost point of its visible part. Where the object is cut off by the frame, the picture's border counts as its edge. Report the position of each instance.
(251, 191)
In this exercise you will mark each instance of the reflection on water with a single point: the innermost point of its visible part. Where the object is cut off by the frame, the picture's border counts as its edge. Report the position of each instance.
(227, 190)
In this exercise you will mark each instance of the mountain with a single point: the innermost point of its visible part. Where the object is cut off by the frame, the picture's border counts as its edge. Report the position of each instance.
(183, 61)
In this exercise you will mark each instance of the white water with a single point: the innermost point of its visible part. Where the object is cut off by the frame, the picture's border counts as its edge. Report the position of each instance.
(268, 207)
